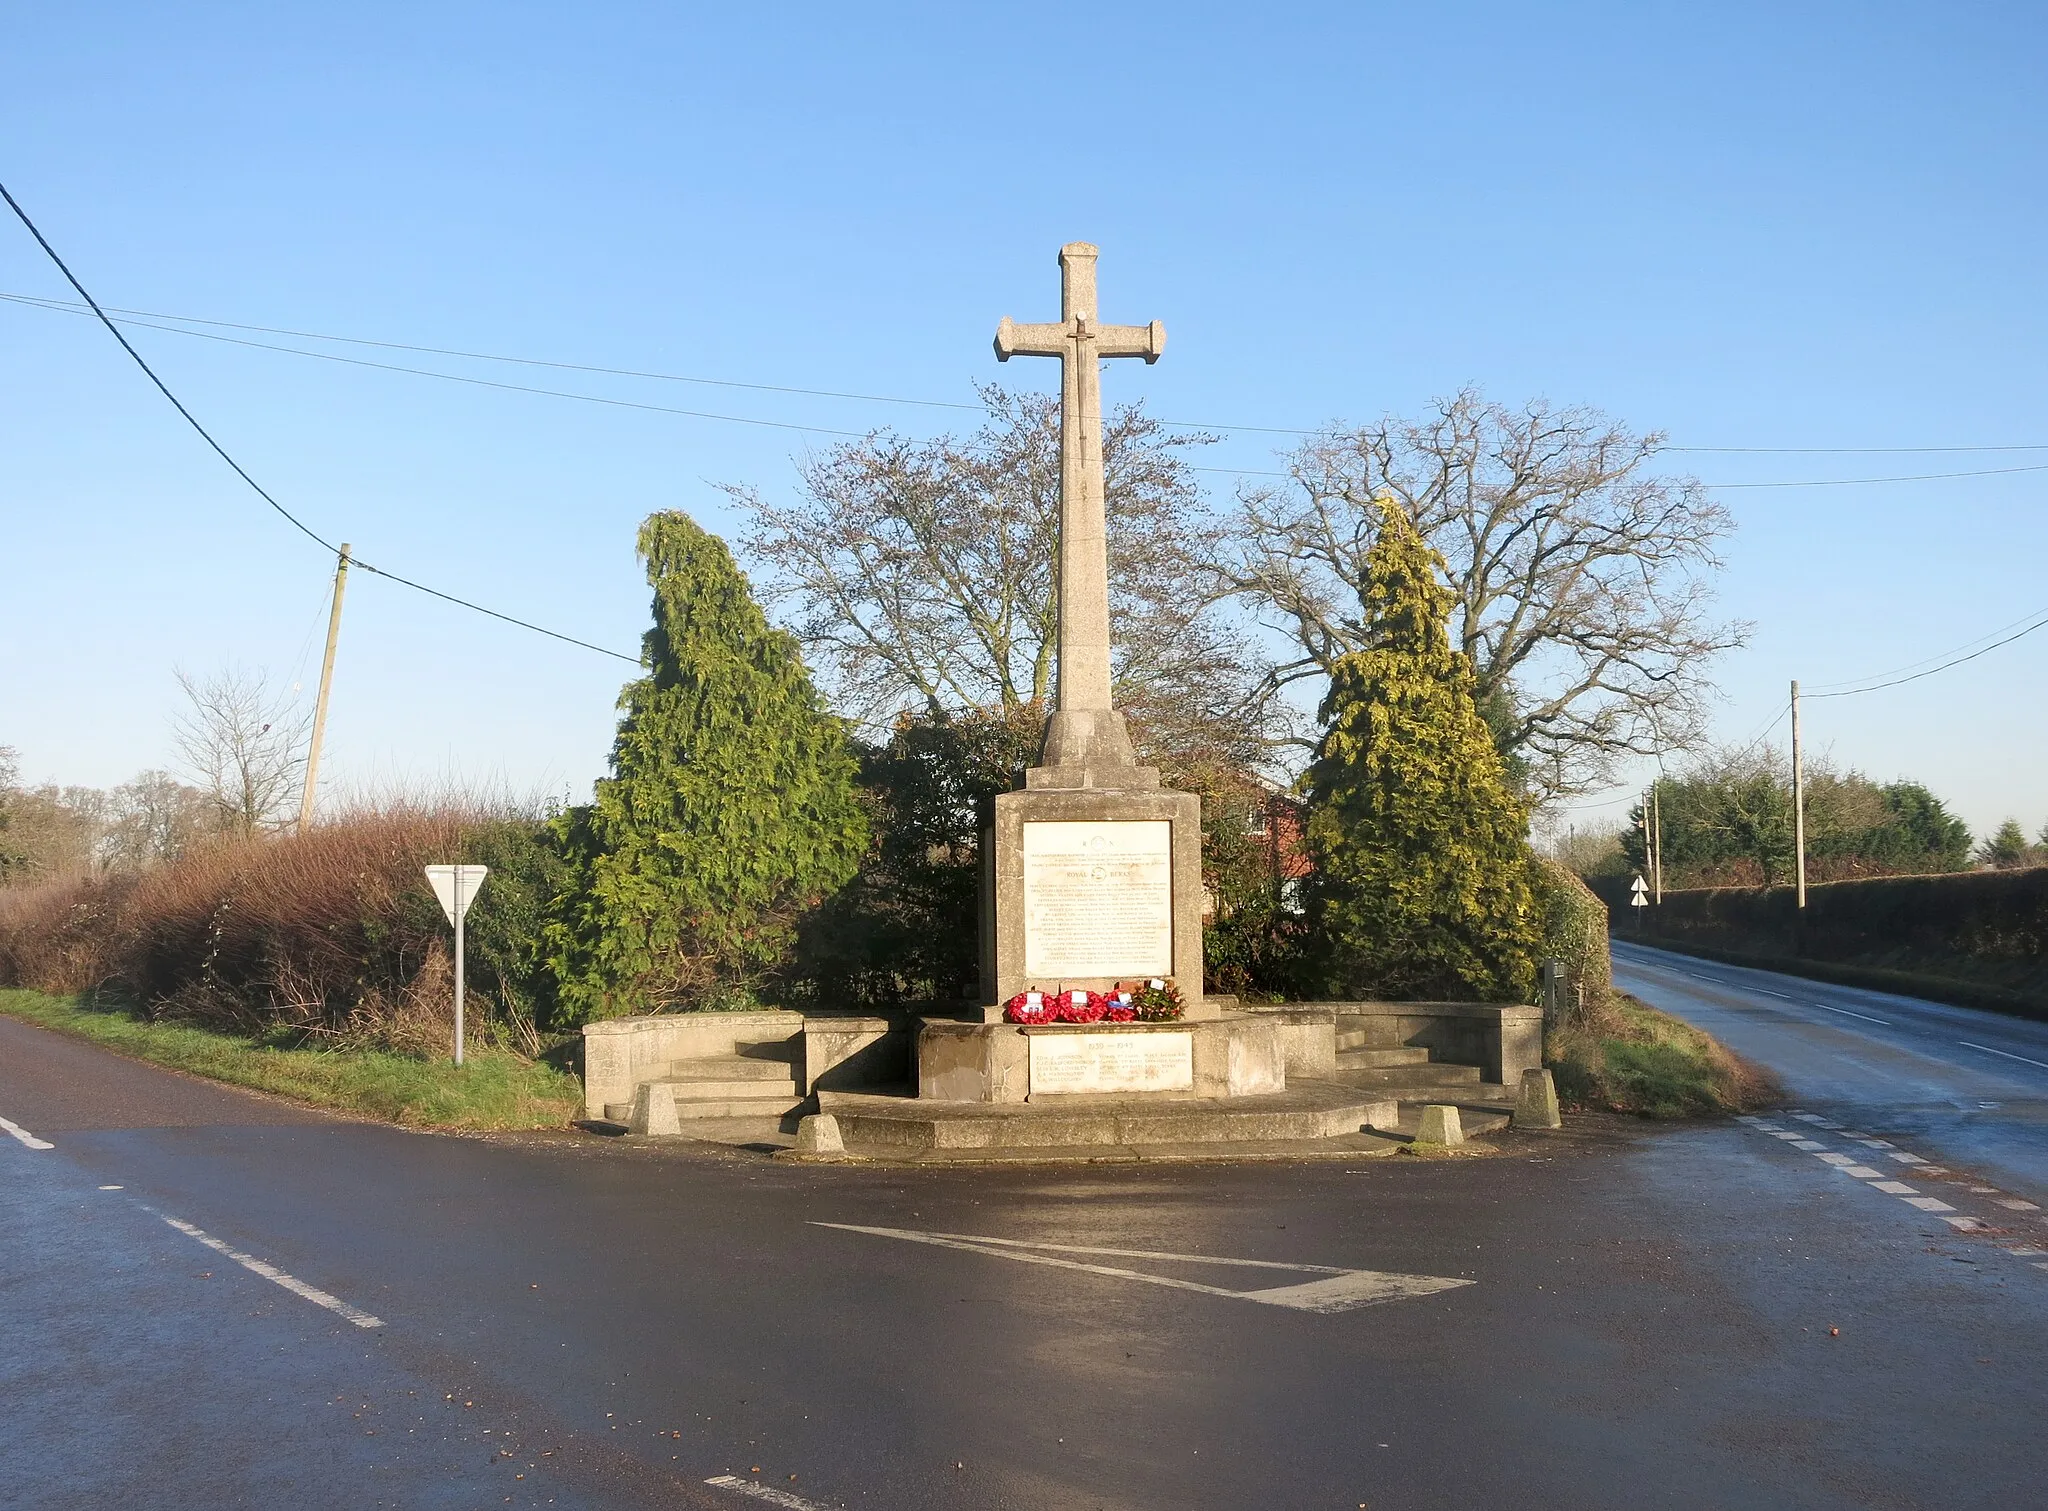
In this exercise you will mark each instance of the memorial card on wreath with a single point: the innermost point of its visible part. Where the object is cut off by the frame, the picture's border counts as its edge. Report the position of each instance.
(1098, 899)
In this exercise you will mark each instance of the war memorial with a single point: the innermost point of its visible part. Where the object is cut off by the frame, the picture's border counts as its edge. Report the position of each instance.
(1091, 1033)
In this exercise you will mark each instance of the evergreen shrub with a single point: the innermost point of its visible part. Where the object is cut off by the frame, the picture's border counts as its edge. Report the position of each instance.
(729, 812)
(1422, 865)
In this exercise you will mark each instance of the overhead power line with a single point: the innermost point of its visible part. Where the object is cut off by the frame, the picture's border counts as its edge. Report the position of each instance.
(1984, 650)
(145, 318)
(261, 492)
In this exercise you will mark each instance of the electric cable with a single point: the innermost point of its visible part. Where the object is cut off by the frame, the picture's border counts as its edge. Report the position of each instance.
(147, 319)
(300, 525)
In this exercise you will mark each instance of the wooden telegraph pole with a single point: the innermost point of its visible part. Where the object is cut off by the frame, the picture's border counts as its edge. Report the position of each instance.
(1657, 825)
(1798, 803)
(326, 684)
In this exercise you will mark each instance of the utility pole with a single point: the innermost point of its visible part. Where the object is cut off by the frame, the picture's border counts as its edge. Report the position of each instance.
(1798, 803)
(1657, 825)
(326, 683)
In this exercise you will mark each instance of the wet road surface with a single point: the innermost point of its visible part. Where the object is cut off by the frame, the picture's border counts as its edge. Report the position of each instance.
(1969, 1086)
(1696, 1317)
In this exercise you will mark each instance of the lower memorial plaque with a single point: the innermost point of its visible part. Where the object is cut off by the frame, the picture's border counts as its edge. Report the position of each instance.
(1082, 1062)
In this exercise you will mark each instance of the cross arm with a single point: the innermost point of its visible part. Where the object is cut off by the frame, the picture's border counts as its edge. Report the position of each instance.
(1146, 341)
(1014, 340)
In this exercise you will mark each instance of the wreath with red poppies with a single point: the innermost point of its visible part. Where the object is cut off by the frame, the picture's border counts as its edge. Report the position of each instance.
(1158, 1001)
(1030, 1007)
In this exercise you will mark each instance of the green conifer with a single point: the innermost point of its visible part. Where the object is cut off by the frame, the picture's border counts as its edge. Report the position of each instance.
(730, 808)
(1422, 881)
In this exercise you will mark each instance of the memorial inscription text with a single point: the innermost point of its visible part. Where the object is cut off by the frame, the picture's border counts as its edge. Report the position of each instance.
(1098, 899)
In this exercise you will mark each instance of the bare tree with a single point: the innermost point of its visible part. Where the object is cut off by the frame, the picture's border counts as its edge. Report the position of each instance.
(921, 575)
(245, 744)
(1582, 576)
(155, 817)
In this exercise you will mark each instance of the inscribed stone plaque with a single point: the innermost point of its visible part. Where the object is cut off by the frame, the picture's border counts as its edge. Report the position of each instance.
(1082, 1062)
(1098, 899)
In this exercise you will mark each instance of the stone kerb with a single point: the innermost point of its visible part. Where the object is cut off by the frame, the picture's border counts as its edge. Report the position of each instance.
(621, 1053)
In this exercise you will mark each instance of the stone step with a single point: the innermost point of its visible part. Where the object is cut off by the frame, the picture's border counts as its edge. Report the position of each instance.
(1368, 1033)
(1403, 1078)
(749, 1106)
(730, 1068)
(908, 1124)
(1380, 1059)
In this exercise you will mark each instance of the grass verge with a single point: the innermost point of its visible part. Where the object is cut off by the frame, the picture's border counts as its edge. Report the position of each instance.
(1623, 1055)
(494, 1090)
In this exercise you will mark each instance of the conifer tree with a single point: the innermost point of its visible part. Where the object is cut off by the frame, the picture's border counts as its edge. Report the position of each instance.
(1422, 883)
(730, 808)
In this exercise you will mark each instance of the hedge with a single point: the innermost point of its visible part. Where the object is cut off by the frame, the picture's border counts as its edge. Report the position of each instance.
(1978, 938)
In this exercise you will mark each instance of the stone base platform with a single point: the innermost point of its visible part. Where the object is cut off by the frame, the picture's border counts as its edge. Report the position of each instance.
(891, 1126)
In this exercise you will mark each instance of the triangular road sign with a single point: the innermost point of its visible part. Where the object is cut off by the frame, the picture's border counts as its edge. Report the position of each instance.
(444, 878)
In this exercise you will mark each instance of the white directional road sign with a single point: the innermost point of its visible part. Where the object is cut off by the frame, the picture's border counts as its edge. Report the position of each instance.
(1641, 899)
(446, 881)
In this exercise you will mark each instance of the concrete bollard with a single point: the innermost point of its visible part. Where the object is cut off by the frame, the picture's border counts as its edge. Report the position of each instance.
(654, 1111)
(1536, 1101)
(817, 1137)
(1440, 1125)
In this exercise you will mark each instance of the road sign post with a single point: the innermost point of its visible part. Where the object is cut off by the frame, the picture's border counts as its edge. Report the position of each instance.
(456, 887)
(1639, 897)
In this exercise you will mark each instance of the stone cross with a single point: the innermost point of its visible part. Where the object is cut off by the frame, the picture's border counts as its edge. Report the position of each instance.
(1086, 735)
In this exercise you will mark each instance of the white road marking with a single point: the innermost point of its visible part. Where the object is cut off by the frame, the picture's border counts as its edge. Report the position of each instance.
(1809, 1117)
(272, 1273)
(1861, 1172)
(761, 1492)
(1908, 1159)
(1836, 1159)
(2014, 1204)
(1788, 1134)
(1807, 1143)
(1965, 1224)
(1894, 1188)
(1339, 1291)
(1990, 1051)
(2026, 1253)
(1927, 1203)
(25, 1136)
(1881, 1022)
(113, 1188)
(1765, 991)
(1874, 1143)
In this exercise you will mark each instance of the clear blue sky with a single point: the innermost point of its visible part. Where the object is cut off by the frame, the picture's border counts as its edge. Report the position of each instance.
(1767, 226)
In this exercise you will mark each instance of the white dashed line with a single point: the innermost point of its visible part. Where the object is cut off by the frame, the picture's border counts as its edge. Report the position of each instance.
(1987, 1049)
(272, 1273)
(1908, 1159)
(761, 1492)
(1881, 1022)
(1836, 1159)
(1965, 1224)
(1861, 1172)
(25, 1136)
(1873, 1143)
(2014, 1204)
(1807, 1143)
(1894, 1188)
(1767, 992)
(1927, 1203)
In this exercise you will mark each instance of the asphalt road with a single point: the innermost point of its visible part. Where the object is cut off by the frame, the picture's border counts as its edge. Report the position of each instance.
(1694, 1317)
(1971, 1086)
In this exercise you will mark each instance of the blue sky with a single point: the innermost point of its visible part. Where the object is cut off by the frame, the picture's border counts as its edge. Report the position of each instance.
(1748, 226)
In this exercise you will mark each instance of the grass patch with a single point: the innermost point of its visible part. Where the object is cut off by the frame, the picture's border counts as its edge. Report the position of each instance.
(1623, 1055)
(494, 1090)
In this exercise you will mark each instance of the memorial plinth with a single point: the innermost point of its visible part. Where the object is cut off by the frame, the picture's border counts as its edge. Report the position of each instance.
(1013, 1063)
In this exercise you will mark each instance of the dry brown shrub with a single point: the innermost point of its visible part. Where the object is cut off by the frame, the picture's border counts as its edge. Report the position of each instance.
(331, 933)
